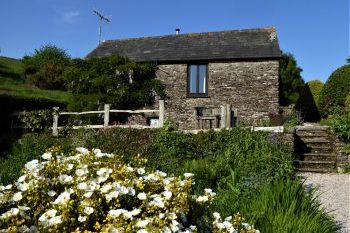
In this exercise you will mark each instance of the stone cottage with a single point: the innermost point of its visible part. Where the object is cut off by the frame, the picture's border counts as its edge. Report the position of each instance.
(208, 73)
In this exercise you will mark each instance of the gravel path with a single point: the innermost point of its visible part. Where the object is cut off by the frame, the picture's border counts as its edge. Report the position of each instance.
(334, 194)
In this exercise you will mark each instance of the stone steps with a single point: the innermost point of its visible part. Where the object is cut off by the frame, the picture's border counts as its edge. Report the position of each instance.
(320, 165)
(317, 157)
(314, 149)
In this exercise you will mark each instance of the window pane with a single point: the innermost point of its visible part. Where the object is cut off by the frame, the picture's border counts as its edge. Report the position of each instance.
(202, 78)
(193, 79)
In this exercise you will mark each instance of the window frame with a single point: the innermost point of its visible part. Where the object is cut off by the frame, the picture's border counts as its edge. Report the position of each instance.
(197, 94)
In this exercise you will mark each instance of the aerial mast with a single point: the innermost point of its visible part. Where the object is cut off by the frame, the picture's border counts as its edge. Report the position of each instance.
(101, 19)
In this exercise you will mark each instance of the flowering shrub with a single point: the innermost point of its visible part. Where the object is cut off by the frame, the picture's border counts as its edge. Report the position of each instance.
(91, 191)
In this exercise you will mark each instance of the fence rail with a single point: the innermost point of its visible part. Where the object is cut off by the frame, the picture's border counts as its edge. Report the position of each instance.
(106, 113)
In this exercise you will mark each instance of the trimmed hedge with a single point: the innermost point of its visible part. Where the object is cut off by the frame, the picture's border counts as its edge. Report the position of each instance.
(335, 90)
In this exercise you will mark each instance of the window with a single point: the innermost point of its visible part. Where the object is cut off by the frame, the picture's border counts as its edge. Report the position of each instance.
(197, 80)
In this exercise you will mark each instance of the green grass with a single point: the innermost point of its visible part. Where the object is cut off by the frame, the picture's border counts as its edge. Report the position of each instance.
(12, 83)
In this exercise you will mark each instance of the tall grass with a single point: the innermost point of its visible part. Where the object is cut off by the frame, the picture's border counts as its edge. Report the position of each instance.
(280, 206)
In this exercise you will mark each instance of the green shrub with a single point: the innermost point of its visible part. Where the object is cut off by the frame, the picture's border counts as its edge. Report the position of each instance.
(347, 102)
(335, 90)
(316, 87)
(280, 206)
(341, 125)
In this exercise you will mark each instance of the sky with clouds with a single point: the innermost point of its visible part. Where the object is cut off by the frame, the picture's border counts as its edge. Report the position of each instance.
(315, 31)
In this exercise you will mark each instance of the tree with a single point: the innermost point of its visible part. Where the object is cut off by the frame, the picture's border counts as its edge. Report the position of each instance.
(44, 68)
(114, 80)
(291, 84)
(335, 90)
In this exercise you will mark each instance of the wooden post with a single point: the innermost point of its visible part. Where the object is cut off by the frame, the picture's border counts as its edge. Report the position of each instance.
(161, 113)
(55, 115)
(228, 115)
(223, 117)
(106, 116)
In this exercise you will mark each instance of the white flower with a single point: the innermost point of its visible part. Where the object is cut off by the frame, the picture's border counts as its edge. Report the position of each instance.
(70, 166)
(82, 218)
(188, 175)
(82, 186)
(135, 212)
(22, 187)
(80, 172)
(51, 193)
(65, 179)
(63, 198)
(33, 166)
(127, 215)
(11, 212)
(106, 188)
(7, 187)
(167, 195)
(129, 169)
(22, 178)
(82, 150)
(202, 199)
(55, 220)
(142, 223)
(111, 195)
(17, 196)
(88, 210)
(142, 231)
(142, 196)
(47, 156)
(88, 194)
(216, 216)
(141, 171)
(116, 213)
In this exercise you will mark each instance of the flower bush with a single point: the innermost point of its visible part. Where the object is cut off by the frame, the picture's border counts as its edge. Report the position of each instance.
(91, 191)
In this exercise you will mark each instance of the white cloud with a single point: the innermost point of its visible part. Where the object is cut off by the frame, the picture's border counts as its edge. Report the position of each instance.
(70, 16)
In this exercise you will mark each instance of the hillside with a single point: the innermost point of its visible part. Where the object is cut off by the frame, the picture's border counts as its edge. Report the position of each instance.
(12, 84)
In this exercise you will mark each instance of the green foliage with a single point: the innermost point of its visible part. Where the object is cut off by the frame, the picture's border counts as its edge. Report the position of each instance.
(316, 87)
(280, 206)
(290, 81)
(115, 80)
(306, 104)
(341, 125)
(347, 102)
(44, 68)
(11, 68)
(250, 171)
(37, 121)
(335, 90)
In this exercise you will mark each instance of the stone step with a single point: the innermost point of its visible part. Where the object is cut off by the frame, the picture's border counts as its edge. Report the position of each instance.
(303, 134)
(317, 157)
(316, 170)
(299, 164)
(312, 128)
(316, 139)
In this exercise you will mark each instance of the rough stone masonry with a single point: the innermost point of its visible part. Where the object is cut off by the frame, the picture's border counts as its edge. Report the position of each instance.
(250, 87)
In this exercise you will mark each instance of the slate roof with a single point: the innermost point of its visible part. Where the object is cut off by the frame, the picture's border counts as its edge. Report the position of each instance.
(259, 43)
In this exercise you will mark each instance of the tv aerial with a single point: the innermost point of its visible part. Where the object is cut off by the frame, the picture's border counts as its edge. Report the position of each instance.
(102, 19)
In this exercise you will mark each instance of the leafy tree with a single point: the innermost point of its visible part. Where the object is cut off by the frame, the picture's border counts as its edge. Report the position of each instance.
(44, 68)
(335, 90)
(114, 80)
(291, 83)
(316, 87)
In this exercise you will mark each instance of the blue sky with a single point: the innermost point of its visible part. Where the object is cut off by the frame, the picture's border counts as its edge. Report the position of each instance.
(315, 31)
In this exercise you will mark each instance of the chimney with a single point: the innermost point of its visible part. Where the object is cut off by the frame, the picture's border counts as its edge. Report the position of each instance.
(177, 31)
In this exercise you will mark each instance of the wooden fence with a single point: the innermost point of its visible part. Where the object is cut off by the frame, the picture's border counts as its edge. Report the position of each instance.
(106, 113)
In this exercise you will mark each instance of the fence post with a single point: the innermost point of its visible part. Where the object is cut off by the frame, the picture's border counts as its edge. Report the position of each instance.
(222, 117)
(55, 115)
(106, 115)
(228, 115)
(161, 113)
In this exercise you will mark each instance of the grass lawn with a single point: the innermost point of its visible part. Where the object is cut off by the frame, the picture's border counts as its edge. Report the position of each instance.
(12, 83)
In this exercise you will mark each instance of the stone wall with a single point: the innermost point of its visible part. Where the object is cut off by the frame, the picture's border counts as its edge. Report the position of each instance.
(250, 87)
